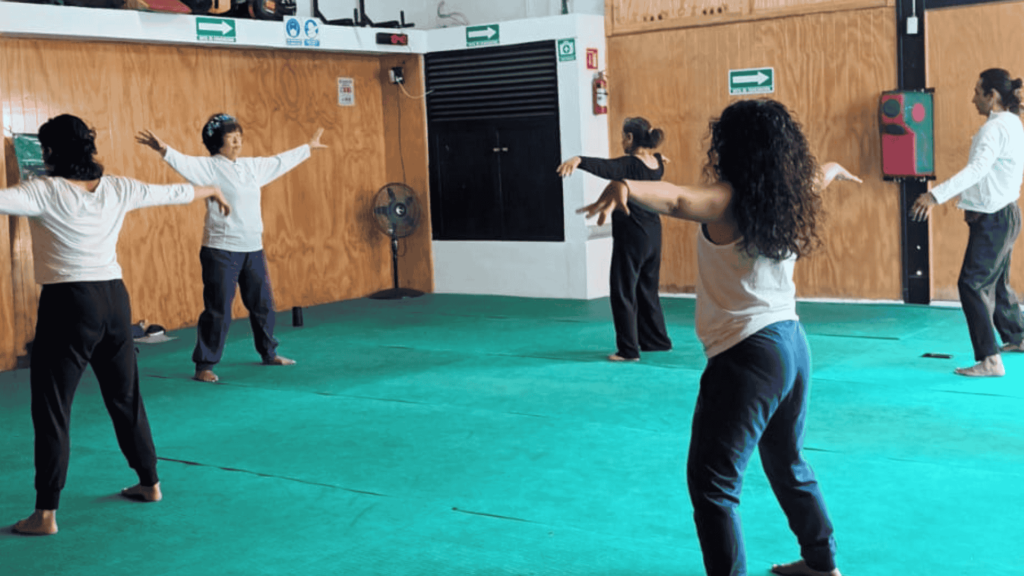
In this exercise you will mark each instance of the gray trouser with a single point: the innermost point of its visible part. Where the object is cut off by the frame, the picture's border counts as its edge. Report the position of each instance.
(984, 284)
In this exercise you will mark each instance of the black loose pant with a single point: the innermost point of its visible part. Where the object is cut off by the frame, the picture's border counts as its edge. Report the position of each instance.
(984, 283)
(85, 323)
(635, 278)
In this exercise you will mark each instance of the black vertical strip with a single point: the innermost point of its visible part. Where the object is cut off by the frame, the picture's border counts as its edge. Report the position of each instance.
(914, 239)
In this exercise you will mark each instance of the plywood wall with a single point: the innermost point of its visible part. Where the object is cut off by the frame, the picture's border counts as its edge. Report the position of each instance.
(953, 69)
(7, 341)
(830, 69)
(318, 237)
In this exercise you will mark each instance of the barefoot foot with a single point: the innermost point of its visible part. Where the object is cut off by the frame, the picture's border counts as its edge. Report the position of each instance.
(1018, 347)
(279, 361)
(205, 376)
(617, 358)
(800, 568)
(991, 366)
(40, 523)
(143, 493)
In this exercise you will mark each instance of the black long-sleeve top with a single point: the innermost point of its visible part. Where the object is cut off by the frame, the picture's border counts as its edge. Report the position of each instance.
(627, 168)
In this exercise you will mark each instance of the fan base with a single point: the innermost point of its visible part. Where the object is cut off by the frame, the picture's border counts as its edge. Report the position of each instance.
(396, 294)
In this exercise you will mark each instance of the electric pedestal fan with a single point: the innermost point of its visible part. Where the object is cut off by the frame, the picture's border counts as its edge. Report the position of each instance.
(397, 213)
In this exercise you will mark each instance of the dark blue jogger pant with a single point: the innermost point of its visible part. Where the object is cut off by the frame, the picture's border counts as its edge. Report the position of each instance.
(755, 394)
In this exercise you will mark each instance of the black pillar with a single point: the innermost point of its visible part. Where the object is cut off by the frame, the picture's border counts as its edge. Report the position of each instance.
(914, 237)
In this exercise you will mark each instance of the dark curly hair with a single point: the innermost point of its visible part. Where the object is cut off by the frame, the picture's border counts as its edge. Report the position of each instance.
(217, 127)
(760, 150)
(69, 148)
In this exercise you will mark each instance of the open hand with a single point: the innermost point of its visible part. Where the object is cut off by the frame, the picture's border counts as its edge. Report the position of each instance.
(314, 142)
(922, 208)
(147, 138)
(218, 198)
(614, 197)
(566, 168)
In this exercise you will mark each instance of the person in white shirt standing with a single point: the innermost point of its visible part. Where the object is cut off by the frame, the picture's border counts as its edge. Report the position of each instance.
(232, 252)
(76, 214)
(988, 189)
(759, 212)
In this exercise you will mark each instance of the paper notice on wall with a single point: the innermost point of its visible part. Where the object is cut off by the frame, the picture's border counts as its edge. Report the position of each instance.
(346, 92)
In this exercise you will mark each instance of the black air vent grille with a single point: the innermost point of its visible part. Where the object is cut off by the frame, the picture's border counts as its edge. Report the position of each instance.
(486, 83)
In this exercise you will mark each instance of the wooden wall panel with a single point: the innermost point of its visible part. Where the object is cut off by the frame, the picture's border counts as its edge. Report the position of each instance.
(8, 358)
(405, 134)
(634, 16)
(317, 233)
(953, 69)
(830, 69)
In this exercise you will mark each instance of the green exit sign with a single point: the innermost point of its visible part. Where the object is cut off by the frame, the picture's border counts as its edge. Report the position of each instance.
(483, 35)
(751, 81)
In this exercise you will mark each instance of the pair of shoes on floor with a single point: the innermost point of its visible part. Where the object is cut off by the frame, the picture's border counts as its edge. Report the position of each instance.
(617, 358)
(1019, 347)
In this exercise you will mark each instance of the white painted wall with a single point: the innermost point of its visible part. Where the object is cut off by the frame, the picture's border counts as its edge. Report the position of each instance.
(424, 13)
(578, 267)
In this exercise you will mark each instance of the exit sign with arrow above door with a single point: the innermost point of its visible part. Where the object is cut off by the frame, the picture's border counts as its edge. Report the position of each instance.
(483, 35)
(215, 29)
(751, 81)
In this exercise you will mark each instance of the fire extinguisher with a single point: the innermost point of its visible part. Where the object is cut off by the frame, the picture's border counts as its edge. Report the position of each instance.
(600, 94)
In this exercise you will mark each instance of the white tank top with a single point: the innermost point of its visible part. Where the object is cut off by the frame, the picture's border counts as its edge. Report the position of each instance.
(738, 295)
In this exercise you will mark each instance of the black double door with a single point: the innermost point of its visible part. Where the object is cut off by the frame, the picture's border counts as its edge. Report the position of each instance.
(495, 180)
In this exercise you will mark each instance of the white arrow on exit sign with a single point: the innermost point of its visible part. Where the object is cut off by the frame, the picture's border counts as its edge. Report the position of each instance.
(221, 26)
(486, 33)
(758, 78)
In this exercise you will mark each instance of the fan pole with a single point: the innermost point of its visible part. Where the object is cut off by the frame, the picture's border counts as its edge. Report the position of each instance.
(395, 293)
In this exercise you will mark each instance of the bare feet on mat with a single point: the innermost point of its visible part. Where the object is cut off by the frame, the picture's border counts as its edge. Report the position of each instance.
(617, 358)
(800, 568)
(205, 376)
(991, 366)
(40, 523)
(143, 493)
(279, 361)
(1019, 347)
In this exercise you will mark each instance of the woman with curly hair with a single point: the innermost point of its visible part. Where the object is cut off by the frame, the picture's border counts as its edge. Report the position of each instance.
(636, 248)
(759, 211)
(76, 214)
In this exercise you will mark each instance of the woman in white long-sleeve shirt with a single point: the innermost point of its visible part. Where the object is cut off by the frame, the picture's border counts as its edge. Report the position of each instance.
(232, 252)
(76, 216)
(988, 189)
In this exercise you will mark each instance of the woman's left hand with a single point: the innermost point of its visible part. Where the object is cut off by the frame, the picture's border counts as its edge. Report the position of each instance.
(614, 197)
(314, 142)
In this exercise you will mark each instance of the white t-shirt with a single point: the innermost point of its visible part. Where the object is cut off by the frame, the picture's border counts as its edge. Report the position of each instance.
(240, 181)
(738, 295)
(995, 167)
(74, 231)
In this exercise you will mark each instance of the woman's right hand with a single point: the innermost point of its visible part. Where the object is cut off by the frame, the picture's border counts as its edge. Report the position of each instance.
(566, 168)
(147, 138)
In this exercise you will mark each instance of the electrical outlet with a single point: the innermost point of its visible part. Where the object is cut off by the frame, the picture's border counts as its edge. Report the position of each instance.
(395, 75)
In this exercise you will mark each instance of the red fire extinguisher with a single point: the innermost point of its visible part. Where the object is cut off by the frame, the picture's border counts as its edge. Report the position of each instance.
(600, 94)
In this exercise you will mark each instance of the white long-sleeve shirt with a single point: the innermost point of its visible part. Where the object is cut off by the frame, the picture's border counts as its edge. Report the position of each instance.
(240, 181)
(74, 231)
(995, 167)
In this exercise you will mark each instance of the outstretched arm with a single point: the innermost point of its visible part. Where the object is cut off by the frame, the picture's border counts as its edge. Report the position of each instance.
(832, 171)
(701, 203)
(314, 142)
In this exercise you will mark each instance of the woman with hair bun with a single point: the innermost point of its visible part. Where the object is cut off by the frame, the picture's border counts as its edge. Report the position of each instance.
(758, 212)
(76, 214)
(636, 248)
(988, 189)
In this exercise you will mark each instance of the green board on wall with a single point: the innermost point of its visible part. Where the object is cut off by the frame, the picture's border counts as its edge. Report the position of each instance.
(29, 155)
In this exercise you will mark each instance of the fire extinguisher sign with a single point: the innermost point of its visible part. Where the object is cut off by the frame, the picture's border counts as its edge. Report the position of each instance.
(567, 50)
